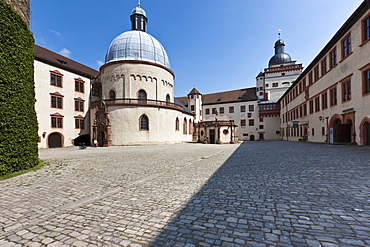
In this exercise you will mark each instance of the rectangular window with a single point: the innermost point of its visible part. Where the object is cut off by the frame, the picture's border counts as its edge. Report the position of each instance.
(251, 122)
(333, 96)
(207, 111)
(222, 110)
(313, 131)
(192, 108)
(346, 46)
(366, 83)
(333, 58)
(261, 127)
(56, 122)
(56, 101)
(311, 106)
(324, 100)
(317, 104)
(251, 108)
(214, 111)
(346, 91)
(231, 109)
(56, 79)
(79, 123)
(249, 115)
(242, 108)
(267, 85)
(323, 131)
(79, 105)
(79, 85)
(304, 84)
(261, 119)
(310, 78)
(95, 91)
(305, 110)
(275, 84)
(323, 66)
(242, 122)
(366, 28)
(316, 73)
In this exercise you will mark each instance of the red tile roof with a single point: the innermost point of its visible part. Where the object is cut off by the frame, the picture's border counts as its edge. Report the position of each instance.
(46, 56)
(240, 95)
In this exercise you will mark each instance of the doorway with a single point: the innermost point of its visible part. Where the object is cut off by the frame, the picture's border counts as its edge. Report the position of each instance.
(366, 133)
(261, 136)
(212, 136)
(342, 132)
(251, 138)
(55, 141)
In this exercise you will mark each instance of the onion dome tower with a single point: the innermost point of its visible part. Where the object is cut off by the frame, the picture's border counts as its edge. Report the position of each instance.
(280, 55)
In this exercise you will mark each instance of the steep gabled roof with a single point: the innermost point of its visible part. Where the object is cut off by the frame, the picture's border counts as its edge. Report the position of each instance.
(194, 91)
(46, 56)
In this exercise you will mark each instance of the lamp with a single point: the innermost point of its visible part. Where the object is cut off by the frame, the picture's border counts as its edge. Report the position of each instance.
(43, 134)
(321, 118)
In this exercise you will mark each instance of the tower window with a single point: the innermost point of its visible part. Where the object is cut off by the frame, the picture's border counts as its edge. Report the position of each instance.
(144, 122)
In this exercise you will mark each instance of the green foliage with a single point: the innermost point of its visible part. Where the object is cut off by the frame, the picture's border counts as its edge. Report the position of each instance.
(18, 122)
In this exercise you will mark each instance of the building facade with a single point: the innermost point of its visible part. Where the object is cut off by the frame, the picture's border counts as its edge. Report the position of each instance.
(62, 99)
(330, 101)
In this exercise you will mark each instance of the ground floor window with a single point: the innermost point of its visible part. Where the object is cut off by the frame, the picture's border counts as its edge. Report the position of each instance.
(144, 122)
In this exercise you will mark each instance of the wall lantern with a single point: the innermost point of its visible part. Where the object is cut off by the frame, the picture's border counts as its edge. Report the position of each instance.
(43, 134)
(321, 118)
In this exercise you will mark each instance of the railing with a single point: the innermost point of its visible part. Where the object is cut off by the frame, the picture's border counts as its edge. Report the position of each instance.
(138, 102)
(289, 67)
(269, 108)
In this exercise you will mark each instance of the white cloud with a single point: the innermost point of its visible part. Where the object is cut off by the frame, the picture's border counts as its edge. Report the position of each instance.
(56, 32)
(99, 63)
(65, 52)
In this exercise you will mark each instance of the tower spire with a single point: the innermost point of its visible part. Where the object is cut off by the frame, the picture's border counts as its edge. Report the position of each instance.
(279, 31)
(138, 3)
(138, 18)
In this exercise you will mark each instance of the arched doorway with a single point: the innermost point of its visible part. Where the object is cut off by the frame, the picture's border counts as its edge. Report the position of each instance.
(365, 133)
(342, 132)
(55, 140)
(261, 136)
(101, 138)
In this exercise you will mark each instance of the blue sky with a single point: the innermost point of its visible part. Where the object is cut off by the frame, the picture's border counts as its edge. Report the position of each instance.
(216, 45)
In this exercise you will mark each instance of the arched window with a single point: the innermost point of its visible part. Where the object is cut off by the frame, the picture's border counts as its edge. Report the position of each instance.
(141, 96)
(185, 126)
(168, 98)
(190, 127)
(177, 124)
(144, 122)
(112, 94)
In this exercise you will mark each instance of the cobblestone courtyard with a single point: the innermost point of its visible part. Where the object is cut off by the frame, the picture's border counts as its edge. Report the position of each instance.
(253, 194)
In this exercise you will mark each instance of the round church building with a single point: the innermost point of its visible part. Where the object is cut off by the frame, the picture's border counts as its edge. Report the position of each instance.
(133, 99)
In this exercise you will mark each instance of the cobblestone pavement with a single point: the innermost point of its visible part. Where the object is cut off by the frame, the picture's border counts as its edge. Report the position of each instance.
(253, 194)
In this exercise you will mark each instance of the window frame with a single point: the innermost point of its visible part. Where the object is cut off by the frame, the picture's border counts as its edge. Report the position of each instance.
(58, 79)
(231, 109)
(251, 122)
(58, 124)
(79, 122)
(143, 127)
(79, 85)
(365, 71)
(346, 43)
(58, 100)
(79, 104)
(346, 90)
(333, 55)
(333, 94)
(365, 27)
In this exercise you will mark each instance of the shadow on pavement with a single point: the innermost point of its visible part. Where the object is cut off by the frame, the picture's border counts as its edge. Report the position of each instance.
(263, 196)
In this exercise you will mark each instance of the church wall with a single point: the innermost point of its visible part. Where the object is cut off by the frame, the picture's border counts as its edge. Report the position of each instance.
(44, 110)
(162, 126)
(128, 78)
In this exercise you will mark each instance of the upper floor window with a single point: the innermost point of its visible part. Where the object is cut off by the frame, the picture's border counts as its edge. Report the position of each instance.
(333, 58)
(56, 121)
(95, 91)
(242, 108)
(275, 84)
(79, 104)
(333, 96)
(144, 122)
(56, 100)
(316, 73)
(56, 78)
(251, 107)
(324, 100)
(366, 82)
(317, 104)
(251, 122)
(346, 46)
(168, 98)
(79, 122)
(79, 85)
(243, 123)
(141, 96)
(311, 106)
(222, 110)
(249, 115)
(214, 111)
(323, 66)
(231, 109)
(112, 94)
(207, 111)
(346, 90)
(185, 126)
(366, 28)
(192, 108)
(310, 78)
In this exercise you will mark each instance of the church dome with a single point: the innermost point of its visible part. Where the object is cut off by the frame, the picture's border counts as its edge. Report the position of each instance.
(137, 45)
